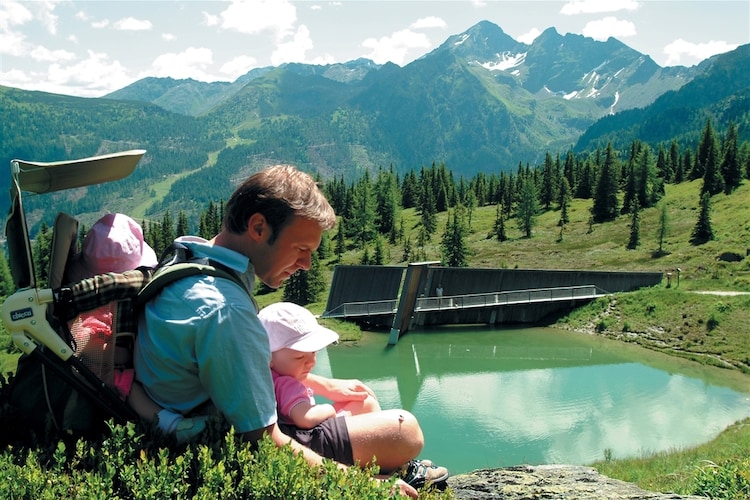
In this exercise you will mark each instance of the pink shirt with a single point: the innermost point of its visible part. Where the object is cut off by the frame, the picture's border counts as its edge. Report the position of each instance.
(289, 393)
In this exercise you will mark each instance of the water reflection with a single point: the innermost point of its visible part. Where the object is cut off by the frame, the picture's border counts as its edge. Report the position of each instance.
(490, 398)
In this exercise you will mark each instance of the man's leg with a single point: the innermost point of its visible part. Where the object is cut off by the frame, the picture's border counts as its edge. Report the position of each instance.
(393, 437)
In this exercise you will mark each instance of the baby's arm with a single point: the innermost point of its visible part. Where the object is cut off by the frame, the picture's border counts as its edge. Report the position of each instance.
(306, 416)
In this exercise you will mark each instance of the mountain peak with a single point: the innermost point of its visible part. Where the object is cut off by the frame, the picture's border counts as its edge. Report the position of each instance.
(484, 41)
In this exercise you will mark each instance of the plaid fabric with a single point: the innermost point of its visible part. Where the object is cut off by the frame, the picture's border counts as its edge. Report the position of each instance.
(102, 289)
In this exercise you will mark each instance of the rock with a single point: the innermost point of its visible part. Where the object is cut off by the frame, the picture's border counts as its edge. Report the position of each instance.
(546, 482)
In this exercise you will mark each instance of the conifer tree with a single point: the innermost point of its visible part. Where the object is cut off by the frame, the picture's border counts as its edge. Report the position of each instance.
(378, 256)
(635, 225)
(453, 245)
(564, 201)
(569, 169)
(42, 251)
(528, 206)
(305, 287)
(702, 232)
(386, 194)
(548, 192)
(500, 224)
(585, 180)
(713, 183)
(362, 218)
(365, 259)
(605, 199)
(410, 190)
(426, 207)
(340, 239)
(663, 169)
(687, 164)
(630, 178)
(650, 187)
(675, 164)
(183, 227)
(166, 234)
(730, 169)
(663, 229)
(407, 254)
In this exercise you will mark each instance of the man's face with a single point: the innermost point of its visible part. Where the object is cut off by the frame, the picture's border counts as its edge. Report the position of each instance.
(289, 252)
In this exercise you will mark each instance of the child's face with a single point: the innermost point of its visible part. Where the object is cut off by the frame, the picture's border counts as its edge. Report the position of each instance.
(293, 363)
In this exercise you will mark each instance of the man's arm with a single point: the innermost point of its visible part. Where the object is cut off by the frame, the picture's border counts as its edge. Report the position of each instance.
(339, 389)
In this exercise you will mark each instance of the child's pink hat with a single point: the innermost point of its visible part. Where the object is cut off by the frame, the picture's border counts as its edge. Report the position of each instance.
(293, 327)
(113, 244)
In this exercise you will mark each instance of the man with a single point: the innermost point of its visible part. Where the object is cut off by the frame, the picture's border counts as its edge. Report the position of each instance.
(200, 340)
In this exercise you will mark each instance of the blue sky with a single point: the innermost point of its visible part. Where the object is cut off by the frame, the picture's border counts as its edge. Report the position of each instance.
(90, 48)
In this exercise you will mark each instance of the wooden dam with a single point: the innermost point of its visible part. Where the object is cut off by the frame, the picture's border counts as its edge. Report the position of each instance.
(427, 294)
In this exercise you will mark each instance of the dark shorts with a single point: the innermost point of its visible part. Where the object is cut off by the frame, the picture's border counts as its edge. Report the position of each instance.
(329, 439)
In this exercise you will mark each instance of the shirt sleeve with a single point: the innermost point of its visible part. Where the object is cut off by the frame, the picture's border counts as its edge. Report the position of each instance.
(289, 393)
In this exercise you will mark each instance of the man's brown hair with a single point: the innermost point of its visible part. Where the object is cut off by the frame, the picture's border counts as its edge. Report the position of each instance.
(278, 192)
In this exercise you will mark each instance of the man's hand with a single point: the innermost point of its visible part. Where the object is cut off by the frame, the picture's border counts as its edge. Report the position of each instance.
(339, 389)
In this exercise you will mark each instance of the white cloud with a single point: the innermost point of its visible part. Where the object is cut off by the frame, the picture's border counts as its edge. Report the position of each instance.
(256, 16)
(574, 7)
(191, 63)
(132, 24)
(530, 36)
(42, 53)
(428, 22)
(293, 50)
(168, 37)
(609, 27)
(13, 14)
(92, 77)
(13, 44)
(238, 66)
(100, 24)
(210, 19)
(694, 51)
(44, 13)
(394, 48)
(14, 78)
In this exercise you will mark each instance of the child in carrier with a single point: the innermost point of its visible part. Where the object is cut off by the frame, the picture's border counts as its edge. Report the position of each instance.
(115, 244)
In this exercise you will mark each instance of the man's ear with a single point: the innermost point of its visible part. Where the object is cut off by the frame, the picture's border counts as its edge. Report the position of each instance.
(257, 227)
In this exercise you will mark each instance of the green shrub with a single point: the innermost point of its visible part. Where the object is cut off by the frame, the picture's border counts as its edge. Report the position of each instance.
(131, 463)
(730, 481)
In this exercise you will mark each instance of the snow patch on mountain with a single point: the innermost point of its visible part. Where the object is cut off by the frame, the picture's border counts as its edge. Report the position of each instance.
(504, 62)
(461, 40)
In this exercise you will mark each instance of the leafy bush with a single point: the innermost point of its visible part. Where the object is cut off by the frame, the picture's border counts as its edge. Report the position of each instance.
(131, 463)
(731, 480)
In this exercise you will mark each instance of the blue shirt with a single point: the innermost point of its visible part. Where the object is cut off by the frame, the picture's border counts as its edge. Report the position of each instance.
(200, 339)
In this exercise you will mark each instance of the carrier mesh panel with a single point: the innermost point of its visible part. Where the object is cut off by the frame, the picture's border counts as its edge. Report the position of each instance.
(95, 342)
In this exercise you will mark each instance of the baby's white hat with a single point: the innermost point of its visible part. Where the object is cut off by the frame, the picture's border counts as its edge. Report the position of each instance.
(294, 327)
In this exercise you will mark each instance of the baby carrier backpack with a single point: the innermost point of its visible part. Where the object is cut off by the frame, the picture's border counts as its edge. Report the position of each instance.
(77, 337)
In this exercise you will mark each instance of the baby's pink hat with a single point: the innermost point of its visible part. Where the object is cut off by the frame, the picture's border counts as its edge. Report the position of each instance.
(113, 244)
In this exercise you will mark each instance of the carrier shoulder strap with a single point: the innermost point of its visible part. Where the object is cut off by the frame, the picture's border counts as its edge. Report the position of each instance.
(174, 272)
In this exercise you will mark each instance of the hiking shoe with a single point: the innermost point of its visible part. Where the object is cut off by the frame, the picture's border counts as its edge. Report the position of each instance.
(421, 473)
(189, 428)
